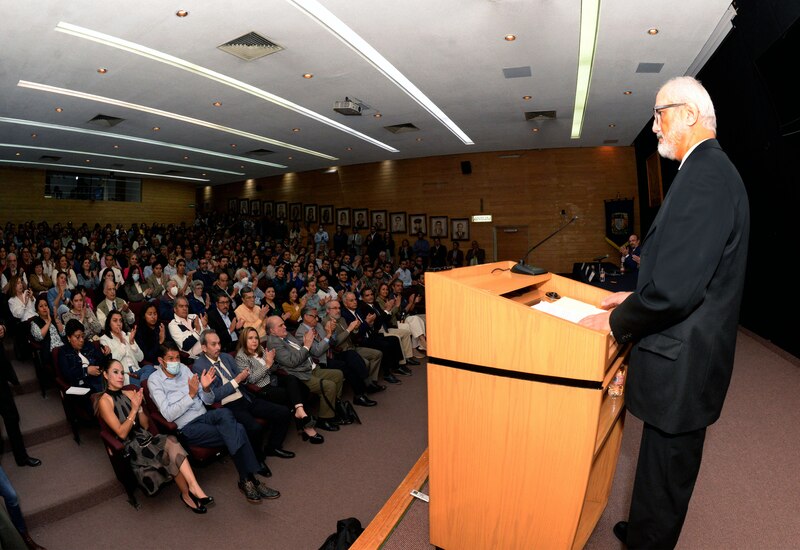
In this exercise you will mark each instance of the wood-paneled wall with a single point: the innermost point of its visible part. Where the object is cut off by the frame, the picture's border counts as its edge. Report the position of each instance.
(22, 199)
(530, 189)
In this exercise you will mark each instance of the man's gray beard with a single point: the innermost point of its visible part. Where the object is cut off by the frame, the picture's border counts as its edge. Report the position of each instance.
(667, 150)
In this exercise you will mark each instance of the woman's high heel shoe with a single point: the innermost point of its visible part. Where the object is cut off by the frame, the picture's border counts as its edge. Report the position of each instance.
(315, 439)
(200, 509)
(205, 501)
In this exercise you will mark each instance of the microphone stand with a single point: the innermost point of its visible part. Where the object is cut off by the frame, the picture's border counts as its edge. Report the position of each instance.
(525, 269)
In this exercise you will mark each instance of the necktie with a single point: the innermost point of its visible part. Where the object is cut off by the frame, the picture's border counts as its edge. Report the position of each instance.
(226, 375)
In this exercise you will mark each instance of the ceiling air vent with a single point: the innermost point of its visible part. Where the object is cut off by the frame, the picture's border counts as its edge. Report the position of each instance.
(49, 158)
(402, 128)
(250, 46)
(118, 165)
(649, 67)
(106, 121)
(517, 72)
(172, 172)
(610, 141)
(259, 153)
(540, 115)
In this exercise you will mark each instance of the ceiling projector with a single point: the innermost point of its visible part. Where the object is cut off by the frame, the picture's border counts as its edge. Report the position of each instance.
(347, 107)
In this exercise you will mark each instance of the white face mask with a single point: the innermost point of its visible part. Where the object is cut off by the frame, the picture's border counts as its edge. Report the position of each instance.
(174, 368)
(246, 280)
(135, 277)
(173, 291)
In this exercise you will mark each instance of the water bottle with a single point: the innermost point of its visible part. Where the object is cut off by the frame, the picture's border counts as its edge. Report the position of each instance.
(617, 385)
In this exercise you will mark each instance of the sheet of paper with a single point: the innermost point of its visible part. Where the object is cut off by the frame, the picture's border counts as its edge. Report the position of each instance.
(568, 308)
(75, 390)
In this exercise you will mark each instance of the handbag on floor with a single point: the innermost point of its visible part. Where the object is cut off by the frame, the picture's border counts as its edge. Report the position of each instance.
(347, 531)
(345, 412)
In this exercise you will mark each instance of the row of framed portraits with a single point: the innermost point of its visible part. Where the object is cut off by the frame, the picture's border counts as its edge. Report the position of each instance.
(456, 229)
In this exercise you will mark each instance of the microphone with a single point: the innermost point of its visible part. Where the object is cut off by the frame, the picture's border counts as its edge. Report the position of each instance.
(525, 269)
(600, 258)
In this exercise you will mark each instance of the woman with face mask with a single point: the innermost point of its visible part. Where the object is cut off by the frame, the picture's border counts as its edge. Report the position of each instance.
(155, 459)
(135, 288)
(242, 277)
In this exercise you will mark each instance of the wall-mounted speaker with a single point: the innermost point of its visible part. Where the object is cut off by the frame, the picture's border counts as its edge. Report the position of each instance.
(466, 167)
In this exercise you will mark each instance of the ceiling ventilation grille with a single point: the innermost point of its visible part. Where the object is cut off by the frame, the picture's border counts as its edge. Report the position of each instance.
(49, 158)
(106, 121)
(402, 128)
(250, 46)
(540, 115)
(610, 141)
(259, 153)
(649, 68)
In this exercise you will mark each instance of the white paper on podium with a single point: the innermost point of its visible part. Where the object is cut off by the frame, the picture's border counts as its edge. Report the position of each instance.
(75, 390)
(568, 308)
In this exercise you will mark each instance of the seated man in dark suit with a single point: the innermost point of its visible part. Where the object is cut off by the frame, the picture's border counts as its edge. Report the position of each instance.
(224, 321)
(343, 345)
(228, 389)
(367, 335)
(180, 396)
(351, 365)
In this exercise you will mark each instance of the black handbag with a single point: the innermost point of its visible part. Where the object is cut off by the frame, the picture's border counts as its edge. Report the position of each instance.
(347, 531)
(345, 412)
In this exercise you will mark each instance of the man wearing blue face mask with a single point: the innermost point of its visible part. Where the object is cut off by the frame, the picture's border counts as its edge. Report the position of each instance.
(181, 397)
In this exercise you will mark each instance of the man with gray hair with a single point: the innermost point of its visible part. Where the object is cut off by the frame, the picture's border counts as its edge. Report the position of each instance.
(351, 365)
(683, 316)
(343, 345)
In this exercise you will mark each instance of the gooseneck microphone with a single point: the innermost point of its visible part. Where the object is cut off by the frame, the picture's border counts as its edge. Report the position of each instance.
(525, 269)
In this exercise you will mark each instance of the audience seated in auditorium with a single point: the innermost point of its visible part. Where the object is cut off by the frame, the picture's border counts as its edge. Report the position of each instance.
(294, 357)
(181, 396)
(184, 329)
(155, 459)
(150, 333)
(251, 314)
(84, 314)
(37, 278)
(80, 362)
(112, 303)
(229, 390)
(124, 348)
(21, 300)
(46, 328)
(401, 314)
(136, 290)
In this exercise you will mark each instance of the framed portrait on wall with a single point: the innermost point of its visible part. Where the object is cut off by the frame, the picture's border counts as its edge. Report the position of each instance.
(343, 217)
(326, 214)
(439, 227)
(459, 229)
(397, 222)
(310, 213)
(255, 207)
(244, 207)
(280, 210)
(267, 208)
(295, 210)
(418, 224)
(378, 219)
(232, 205)
(360, 218)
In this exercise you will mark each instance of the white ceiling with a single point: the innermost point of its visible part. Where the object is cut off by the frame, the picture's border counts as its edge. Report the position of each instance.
(452, 50)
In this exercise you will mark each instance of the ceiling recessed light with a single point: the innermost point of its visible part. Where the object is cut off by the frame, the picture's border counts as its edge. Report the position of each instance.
(17, 154)
(116, 147)
(308, 75)
(377, 115)
(88, 160)
(233, 145)
(242, 166)
(34, 136)
(149, 167)
(156, 128)
(348, 148)
(534, 130)
(217, 104)
(185, 157)
(510, 37)
(419, 139)
(182, 13)
(612, 125)
(295, 129)
(59, 109)
(102, 70)
(289, 158)
(203, 174)
(652, 32)
(627, 92)
(527, 97)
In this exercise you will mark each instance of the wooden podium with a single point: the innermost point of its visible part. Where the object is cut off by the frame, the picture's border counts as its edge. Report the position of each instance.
(523, 436)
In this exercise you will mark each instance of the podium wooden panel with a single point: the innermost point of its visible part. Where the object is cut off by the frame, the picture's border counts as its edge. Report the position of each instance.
(523, 437)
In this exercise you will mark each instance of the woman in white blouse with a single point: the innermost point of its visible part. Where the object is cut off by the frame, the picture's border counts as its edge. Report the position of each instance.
(20, 299)
(181, 277)
(123, 347)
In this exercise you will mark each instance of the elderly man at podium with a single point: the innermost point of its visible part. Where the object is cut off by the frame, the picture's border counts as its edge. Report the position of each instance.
(683, 315)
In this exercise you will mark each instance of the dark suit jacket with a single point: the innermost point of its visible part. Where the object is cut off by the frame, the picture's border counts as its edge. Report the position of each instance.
(216, 322)
(458, 261)
(684, 313)
(218, 389)
(480, 254)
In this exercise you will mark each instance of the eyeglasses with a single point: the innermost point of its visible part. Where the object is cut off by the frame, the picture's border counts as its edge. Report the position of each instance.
(658, 108)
